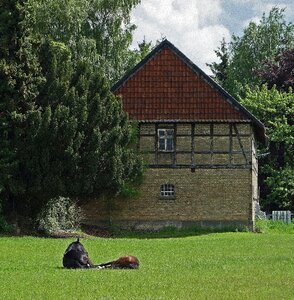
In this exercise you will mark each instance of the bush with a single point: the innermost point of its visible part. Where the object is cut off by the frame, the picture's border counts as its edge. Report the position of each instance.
(59, 214)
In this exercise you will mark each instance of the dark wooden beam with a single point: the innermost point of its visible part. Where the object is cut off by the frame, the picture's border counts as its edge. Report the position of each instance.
(231, 146)
(240, 143)
(193, 144)
(211, 143)
(156, 144)
(175, 144)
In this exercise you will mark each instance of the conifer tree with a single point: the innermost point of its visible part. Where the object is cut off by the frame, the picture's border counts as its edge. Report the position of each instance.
(81, 145)
(20, 78)
(62, 131)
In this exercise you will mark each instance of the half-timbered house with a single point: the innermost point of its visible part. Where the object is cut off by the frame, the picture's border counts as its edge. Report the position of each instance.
(199, 145)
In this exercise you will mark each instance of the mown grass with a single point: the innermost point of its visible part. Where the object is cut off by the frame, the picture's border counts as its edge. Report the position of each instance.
(209, 266)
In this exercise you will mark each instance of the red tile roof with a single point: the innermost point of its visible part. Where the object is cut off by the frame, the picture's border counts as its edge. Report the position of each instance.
(166, 88)
(166, 85)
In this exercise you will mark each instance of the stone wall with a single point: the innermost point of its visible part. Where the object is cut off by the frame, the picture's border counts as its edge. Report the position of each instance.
(213, 170)
(215, 197)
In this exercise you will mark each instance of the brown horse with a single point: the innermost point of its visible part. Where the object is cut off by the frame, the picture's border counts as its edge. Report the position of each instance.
(124, 262)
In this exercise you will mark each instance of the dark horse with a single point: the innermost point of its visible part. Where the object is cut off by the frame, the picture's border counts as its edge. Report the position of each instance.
(76, 257)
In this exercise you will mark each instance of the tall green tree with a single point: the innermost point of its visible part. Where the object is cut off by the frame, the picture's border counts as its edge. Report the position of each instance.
(220, 69)
(62, 131)
(263, 55)
(276, 109)
(99, 30)
(248, 53)
(20, 78)
(87, 134)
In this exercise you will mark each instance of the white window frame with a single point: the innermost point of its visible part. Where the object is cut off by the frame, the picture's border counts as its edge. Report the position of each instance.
(165, 139)
(167, 191)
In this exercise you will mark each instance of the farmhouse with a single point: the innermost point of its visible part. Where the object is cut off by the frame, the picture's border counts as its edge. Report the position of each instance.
(199, 145)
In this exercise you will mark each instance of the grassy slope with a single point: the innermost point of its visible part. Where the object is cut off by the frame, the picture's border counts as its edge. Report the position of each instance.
(213, 266)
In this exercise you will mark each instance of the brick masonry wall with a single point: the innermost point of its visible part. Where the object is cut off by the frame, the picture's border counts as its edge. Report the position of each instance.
(203, 197)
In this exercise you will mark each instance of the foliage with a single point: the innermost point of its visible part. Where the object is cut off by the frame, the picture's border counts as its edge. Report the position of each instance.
(79, 142)
(276, 110)
(243, 57)
(128, 191)
(220, 69)
(62, 131)
(20, 78)
(281, 186)
(280, 72)
(99, 31)
(264, 53)
(89, 126)
(210, 266)
(59, 214)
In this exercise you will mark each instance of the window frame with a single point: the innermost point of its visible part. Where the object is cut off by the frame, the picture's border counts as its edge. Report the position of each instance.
(167, 191)
(167, 138)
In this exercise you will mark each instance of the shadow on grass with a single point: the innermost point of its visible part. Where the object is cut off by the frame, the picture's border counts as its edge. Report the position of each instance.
(90, 232)
(170, 232)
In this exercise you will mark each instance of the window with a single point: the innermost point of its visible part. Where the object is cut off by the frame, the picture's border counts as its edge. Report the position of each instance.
(165, 139)
(167, 191)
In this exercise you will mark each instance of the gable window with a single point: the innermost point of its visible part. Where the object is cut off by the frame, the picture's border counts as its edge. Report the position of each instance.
(165, 139)
(167, 191)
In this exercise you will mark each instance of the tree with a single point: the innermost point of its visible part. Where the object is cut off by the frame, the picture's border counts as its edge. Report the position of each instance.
(78, 142)
(276, 109)
(20, 78)
(62, 131)
(263, 55)
(99, 30)
(260, 42)
(96, 141)
(220, 69)
(280, 72)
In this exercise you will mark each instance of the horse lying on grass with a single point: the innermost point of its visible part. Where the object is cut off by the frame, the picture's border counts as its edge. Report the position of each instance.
(76, 257)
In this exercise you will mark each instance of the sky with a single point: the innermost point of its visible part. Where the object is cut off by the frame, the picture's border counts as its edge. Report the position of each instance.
(196, 27)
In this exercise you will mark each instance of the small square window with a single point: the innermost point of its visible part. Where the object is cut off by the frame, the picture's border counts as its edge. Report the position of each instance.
(167, 191)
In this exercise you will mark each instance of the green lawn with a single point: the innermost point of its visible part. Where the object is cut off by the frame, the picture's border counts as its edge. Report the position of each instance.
(211, 266)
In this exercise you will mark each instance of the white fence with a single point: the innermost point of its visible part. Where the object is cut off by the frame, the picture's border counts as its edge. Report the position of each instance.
(282, 215)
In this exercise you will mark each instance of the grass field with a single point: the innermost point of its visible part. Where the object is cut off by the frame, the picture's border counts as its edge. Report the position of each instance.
(208, 266)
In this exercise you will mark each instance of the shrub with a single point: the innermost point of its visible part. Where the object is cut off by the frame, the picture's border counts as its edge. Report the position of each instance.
(59, 214)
